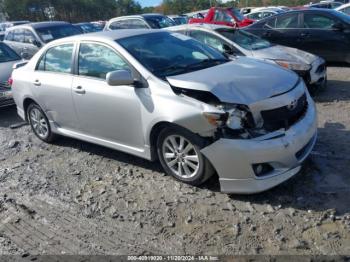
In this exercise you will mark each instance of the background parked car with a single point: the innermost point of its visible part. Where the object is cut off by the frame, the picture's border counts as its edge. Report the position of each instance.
(6, 25)
(323, 32)
(179, 19)
(8, 58)
(145, 21)
(223, 16)
(27, 39)
(326, 4)
(344, 8)
(87, 27)
(263, 13)
(236, 42)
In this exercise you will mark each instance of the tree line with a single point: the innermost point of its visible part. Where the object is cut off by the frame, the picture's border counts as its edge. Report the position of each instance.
(89, 10)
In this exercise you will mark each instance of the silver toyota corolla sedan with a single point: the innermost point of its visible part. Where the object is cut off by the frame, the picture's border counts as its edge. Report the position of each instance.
(235, 42)
(161, 95)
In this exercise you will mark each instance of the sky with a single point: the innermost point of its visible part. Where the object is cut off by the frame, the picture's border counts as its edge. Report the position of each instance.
(149, 2)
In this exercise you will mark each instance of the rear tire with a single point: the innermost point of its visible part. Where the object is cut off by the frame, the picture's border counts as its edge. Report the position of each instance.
(179, 153)
(40, 123)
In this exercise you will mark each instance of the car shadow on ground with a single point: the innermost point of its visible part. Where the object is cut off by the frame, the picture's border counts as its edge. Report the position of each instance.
(8, 116)
(335, 91)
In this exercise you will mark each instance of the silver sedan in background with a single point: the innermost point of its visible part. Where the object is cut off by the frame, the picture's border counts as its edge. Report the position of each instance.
(161, 95)
(8, 58)
(235, 42)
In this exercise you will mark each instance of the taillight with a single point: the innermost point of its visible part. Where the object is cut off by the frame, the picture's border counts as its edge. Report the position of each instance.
(10, 81)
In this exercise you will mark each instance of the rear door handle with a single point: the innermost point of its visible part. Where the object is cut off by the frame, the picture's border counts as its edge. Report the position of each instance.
(37, 83)
(79, 90)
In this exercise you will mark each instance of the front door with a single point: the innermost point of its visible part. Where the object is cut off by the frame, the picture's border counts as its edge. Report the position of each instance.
(321, 38)
(106, 112)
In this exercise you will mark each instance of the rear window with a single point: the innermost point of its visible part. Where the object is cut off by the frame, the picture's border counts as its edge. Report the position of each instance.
(50, 33)
(7, 54)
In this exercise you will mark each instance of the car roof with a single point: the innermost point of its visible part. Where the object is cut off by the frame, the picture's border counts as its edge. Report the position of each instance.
(199, 25)
(136, 16)
(108, 35)
(39, 25)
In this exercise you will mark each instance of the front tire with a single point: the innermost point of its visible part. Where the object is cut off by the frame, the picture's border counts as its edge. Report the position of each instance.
(179, 153)
(40, 123)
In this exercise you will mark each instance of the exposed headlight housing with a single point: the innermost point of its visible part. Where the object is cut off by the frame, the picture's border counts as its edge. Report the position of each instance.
(237, 117)
(293, 65)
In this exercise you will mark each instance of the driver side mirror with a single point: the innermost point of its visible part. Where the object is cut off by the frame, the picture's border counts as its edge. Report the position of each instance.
(338, 26)
(120, 78)
(25, 55)
(35, 42)
(228, 49)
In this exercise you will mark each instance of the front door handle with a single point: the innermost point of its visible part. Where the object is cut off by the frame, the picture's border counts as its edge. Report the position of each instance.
(304, 34)
(79, 90)
(37, 83)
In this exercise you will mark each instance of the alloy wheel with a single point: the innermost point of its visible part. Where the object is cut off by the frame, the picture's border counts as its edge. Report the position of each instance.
(39, 123)
(181, 156)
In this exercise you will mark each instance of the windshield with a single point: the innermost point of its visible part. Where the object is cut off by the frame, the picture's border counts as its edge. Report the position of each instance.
(47, 34)
(7, 54)
(244, 39)
(88, 28)
(166, 54)
(157, 22)
(236, 13)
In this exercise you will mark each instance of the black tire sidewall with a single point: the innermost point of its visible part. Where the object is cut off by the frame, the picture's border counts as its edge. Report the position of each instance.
(197, 142)
(50, 135)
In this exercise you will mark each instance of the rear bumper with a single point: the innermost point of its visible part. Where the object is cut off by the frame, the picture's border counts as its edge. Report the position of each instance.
(284, 151)
(6, 99)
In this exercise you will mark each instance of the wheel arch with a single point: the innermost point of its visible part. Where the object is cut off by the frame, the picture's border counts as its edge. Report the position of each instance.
(26, 102)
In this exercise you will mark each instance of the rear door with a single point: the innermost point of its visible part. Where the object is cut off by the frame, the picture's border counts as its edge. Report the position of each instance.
(318, 36)
(283, 29)
(52, 83)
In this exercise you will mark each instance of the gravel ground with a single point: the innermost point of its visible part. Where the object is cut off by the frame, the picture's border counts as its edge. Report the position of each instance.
(77, 198)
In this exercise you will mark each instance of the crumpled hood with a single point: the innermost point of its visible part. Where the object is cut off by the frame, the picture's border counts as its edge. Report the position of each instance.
(242, 81)
(285, 53)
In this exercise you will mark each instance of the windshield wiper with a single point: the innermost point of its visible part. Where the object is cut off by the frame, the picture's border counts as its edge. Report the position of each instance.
(207, 63)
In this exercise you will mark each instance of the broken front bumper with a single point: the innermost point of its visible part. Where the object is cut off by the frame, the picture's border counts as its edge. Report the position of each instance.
(284, 151)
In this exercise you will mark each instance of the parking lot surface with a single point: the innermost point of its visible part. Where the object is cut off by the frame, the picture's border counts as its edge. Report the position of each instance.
(77, 198)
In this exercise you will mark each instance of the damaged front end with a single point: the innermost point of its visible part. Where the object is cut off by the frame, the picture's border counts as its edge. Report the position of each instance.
(258, 146)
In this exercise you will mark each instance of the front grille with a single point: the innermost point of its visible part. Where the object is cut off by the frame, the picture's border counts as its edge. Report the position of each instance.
(286, 116)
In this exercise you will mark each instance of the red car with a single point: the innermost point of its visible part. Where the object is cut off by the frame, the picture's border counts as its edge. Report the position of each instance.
(223, 16)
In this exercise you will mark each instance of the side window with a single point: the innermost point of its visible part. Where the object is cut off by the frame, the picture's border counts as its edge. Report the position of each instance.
(97, 60)
(57, 59)
(136, 24)
(287, 21)
(256, 16)
(9, 36)
(118, 25)
(28, 36)
(18, 35)
(318, 21)
(222, 16)
(271, 23)
(209, 39)
(267, 14)
(347, 10)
